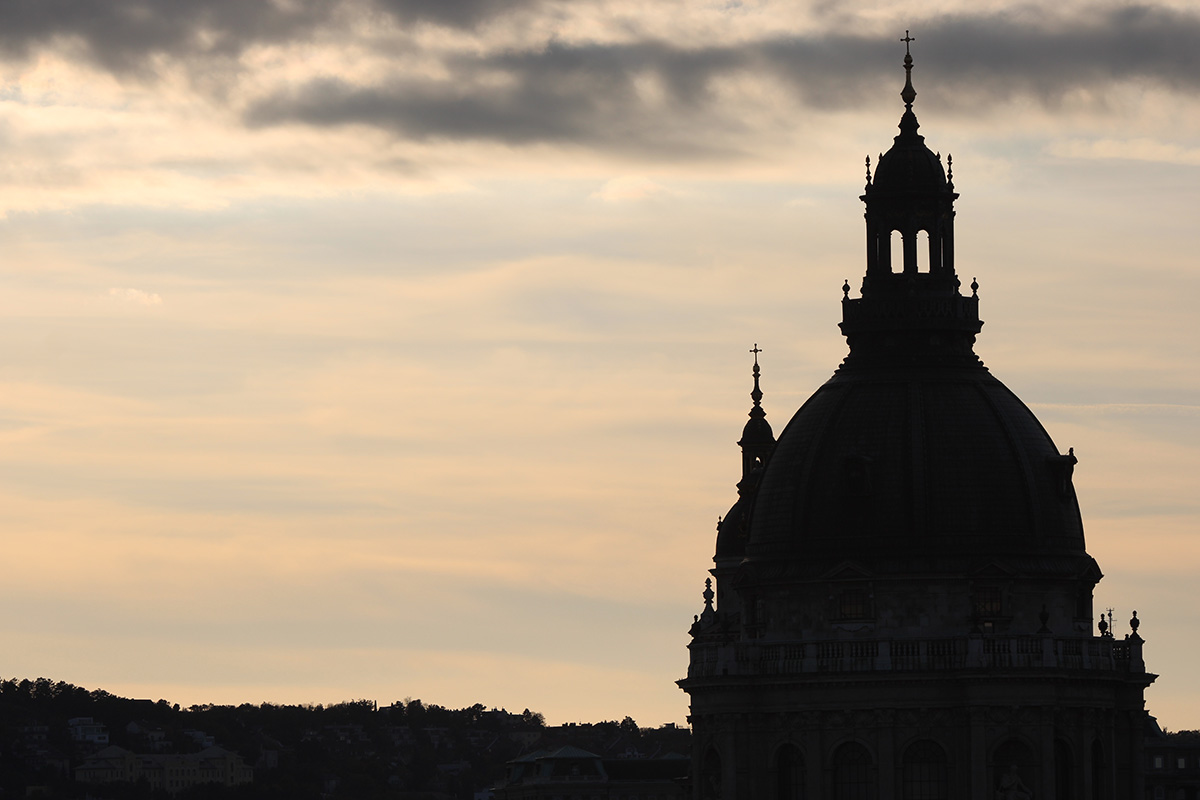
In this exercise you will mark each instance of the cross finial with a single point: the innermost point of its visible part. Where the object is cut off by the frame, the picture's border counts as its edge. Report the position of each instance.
(908, 94)
(756, 394)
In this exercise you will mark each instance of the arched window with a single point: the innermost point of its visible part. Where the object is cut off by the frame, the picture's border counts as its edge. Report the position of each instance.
(923, 261)
(924, 775)
(710, 775)
(1098, 770)
(1015, 771)
(789, 773)
(1063, 769)
(853, 773)
(896, 250)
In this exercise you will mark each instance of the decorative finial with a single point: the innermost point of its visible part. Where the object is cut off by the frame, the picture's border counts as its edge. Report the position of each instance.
(1103, 626)
(708, 594)
(720, 519)
(756, 395)
(846, 289)
(908, 94)
(974, 288)
(950, 171)
(1134, 622)
(868, 172)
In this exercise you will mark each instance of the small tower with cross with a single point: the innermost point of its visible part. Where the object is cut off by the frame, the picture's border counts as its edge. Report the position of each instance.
(757, 444)
(757, 437)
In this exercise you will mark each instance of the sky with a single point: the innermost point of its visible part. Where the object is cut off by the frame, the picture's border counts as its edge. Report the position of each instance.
(399, 348)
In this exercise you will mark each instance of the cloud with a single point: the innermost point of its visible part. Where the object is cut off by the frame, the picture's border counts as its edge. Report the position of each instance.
(455, 13)
(1141, 149)
(125, 35)
(136, 296)
(1045, 56)
(565, 76)
(1125, 409)
(647, 95)
(563, 94)
(121, 35)
(630, 187)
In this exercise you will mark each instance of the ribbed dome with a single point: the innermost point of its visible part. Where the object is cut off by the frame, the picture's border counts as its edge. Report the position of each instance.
(909, 166)
(916, 462)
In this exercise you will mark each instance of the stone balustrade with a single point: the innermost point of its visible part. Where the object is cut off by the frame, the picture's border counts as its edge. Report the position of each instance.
(975, 652)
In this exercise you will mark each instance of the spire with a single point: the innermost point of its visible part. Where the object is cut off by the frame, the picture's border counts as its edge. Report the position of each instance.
(756, 393)
(908, 122)
(908, 94)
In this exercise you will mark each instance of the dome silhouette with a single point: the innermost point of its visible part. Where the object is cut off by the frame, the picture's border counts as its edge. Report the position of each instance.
(928, 463)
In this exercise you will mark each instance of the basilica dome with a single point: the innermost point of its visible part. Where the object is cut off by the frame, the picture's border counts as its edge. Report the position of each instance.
(915, 462)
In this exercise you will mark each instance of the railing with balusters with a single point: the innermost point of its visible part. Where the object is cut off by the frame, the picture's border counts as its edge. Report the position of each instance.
(904, 655)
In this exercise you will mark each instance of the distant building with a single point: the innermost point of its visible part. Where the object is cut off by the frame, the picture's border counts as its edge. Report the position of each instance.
(86, 730)
(110, 765)
(34, 734)
(151, 737)
(36, 750)
(171, 772)
(1173, 765)
(570, 772)
(199, 737)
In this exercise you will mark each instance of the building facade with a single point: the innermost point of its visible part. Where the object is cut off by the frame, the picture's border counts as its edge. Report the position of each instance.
(901, 600)
(569, 773)
(1173, 765)
(170, 772)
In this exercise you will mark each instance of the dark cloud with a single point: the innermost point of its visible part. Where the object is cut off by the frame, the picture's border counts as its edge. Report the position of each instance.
(591, 94)
(455, 13)
(121, 35)
(562, 94)
(588, 94)
(1004, 56)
